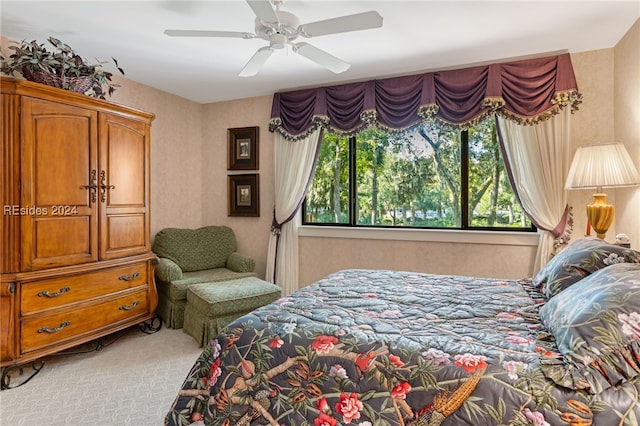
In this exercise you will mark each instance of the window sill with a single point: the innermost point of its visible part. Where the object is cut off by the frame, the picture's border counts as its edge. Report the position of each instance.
(431, 235)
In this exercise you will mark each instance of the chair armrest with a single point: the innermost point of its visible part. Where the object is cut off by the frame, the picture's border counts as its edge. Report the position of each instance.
(240, 263)
(167, 270)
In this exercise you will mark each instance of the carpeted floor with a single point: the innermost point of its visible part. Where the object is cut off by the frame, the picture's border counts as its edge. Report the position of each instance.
(133, 381)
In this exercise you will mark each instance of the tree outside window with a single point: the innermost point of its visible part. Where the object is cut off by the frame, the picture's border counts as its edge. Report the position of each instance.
(431, 177)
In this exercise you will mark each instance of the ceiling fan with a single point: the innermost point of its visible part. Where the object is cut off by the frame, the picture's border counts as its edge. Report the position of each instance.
(282, 28)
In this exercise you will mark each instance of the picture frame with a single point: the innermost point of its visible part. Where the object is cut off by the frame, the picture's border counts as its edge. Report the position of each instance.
(242, 149)
(243, 195)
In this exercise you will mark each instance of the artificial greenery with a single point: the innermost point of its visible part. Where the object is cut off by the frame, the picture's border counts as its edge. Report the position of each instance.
(63, 61)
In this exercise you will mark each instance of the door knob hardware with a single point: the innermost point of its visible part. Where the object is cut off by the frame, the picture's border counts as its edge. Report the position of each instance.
(104, 186)
(92, 187)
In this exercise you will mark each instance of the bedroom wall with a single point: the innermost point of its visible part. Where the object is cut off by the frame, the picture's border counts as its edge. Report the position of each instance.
(627, 126)
(319, 256)
(593, 123)
(252, 232)
(604, 118)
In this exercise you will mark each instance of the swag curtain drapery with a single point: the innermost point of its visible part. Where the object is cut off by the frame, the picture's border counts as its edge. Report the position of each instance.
(526, 92)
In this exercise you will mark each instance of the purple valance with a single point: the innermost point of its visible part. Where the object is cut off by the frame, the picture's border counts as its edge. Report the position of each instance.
(527, 91)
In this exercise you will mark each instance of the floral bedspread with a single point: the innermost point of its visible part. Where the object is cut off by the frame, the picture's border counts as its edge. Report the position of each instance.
(380, 347)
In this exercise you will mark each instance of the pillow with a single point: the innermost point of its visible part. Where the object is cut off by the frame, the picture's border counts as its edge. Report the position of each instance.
(579, 259)
(596, 325)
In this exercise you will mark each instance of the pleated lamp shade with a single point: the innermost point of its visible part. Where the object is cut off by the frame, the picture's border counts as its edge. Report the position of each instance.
(601, 166)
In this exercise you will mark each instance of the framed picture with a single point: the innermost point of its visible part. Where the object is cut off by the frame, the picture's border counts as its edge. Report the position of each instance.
(244, 195)
(242, 148)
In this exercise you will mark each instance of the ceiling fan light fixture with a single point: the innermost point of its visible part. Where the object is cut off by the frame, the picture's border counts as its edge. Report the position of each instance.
(278, 41)
(281, 29)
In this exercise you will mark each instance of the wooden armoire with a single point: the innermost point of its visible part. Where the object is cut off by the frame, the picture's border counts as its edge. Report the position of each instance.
(76, 261)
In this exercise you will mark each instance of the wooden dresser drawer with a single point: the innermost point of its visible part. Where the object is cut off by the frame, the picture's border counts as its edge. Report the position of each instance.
(52, 293)
(57, 328)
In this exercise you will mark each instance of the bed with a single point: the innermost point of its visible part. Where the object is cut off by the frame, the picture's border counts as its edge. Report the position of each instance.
(381, 347)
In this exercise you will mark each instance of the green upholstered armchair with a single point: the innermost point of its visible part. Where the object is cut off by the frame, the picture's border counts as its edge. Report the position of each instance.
(194, 256)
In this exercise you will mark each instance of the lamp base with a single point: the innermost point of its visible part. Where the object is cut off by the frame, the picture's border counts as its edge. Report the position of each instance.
(600, 214)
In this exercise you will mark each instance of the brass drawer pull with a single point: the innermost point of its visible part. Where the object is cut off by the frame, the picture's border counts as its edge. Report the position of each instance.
(130, 278)
(128, 308)
(54, 330)
(45, 293)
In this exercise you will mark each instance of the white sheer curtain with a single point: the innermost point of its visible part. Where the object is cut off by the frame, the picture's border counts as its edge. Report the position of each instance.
(293, 165)
(539, 157)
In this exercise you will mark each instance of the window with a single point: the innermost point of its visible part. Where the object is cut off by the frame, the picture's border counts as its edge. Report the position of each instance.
(432, 177)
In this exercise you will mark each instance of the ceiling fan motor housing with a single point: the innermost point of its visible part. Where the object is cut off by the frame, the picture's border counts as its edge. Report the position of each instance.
(281, 33)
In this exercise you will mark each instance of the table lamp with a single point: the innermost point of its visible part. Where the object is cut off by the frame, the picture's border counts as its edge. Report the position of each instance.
(601, 166)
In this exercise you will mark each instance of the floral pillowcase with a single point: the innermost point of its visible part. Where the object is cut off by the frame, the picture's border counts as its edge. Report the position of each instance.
(578, 260)
(596, 325)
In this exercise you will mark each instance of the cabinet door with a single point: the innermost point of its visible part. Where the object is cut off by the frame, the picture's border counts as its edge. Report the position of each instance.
(58, 211)
(124, 186)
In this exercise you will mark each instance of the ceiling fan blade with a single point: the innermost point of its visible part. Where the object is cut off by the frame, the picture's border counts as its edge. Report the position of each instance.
(204, 33)
(256, 62)
(343, 24)
(321, 57)
(263, 10)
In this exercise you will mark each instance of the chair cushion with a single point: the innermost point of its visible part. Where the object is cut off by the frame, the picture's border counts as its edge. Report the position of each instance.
(221, 298)
(177, 290)
(208, 247)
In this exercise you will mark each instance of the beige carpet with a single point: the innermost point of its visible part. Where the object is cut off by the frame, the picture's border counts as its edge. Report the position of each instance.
(130, 382)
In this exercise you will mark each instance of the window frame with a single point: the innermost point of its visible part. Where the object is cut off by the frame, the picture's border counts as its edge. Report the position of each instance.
(464, 199)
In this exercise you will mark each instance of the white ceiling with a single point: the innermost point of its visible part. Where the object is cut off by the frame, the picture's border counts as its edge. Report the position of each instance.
(416, 36)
